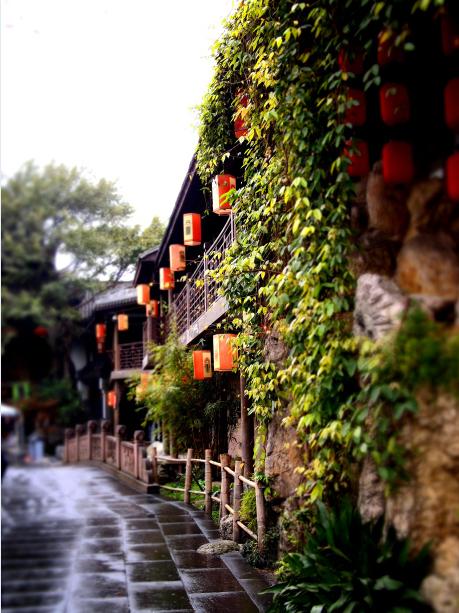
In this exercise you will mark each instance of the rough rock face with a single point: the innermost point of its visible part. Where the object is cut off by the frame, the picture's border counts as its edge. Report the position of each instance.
(275, 349)
(427, 264)
(371, 501)
(226, 527)
(427, 508)
(282, 456)
(374, 253)
(217, 548)
(235, 441)
(379, 305)
(387, 211)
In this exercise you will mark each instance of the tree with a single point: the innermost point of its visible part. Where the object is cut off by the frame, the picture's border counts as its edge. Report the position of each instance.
(62, 233)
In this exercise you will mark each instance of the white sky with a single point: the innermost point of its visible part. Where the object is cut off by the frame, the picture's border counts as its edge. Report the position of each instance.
(110, 86)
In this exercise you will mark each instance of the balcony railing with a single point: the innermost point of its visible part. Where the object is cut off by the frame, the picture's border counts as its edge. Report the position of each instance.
(130, 356)
(200, 293)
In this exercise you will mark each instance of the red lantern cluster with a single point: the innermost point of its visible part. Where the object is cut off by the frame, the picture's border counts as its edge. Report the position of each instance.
(356, 152)
(388, 51)
(351, 61)
(397, 162)
(111, 399)
(356, 114)
(394, 104)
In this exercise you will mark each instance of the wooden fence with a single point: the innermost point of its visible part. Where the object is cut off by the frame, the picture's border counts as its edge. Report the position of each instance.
(228, 477)
(84, 444)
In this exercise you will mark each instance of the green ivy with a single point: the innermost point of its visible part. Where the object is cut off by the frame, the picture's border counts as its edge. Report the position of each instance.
(288, 269)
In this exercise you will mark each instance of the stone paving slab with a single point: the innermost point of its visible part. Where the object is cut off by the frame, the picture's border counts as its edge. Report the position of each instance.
(75, 540)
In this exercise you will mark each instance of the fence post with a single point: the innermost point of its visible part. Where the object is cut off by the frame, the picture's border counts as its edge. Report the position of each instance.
(224, 488)
(104, 429)
(68, 435)
(79, 429)
(236, 500)
(208, 481)
(188, 475)
(138, 443)
(92, 427)
(119, 433)
(154, 464)
(261, 516)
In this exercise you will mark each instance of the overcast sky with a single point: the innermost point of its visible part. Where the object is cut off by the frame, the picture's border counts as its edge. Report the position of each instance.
(108, 85)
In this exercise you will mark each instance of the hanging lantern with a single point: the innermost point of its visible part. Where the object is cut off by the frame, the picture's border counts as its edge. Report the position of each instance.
(101, 331)
(452, 176)
(40, 331)
(177, 257)
(202, 365)
(356, 115)
(123, 322)
(240, 126)
(394, 104)
(221, 185)
(144, 380)
(166, 279)
(111, 399)
(350, 62)
(143, 294)
(388, 51)
(101, 345)
(449, 35)
(192, 229)
(152, 309)
(451, 101)
(357, 153)
(397, 162)
(224, 352)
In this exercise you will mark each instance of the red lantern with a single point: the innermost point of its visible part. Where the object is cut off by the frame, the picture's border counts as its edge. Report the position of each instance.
(356, 114)
(350, 62)
(221, 185)
(225, 353)
(177, 257)
(397, 162)
(123, 322)
(41, 331)
(143, 294)
(394, 103)
(388, 51)
(240, 126)
(449, 35)
(144, 380)
(152, 309)
(111, 399)
(166, 279)
(452, 104)
(357, 153)
(192, 229)
(202, 365)
(101, 331)
(452, 176)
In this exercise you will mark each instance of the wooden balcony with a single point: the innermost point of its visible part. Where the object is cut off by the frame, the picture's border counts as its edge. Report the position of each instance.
(200, 304)
(127, 360)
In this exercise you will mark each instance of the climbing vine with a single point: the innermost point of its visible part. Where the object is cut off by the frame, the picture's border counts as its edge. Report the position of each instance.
(288, 269)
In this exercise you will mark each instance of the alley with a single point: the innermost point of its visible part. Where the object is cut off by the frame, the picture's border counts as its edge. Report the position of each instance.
(75, 540)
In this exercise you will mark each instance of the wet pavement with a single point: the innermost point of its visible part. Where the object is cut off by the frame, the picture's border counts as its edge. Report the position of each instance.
(75, 540)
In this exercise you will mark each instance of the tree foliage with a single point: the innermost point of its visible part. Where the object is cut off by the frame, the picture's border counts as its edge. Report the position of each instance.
(61, 233)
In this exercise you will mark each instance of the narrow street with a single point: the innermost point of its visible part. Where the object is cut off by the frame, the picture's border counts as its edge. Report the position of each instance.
(74, 540)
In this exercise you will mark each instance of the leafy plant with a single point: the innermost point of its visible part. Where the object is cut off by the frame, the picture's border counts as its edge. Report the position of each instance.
(69, 408)
(347, 566)
(266, 559)
(248, 509)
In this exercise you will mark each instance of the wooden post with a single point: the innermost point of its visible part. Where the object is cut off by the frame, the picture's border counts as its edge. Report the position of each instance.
(154, 464)
(246, 448)
(208, 482)
(225, 486)
(116, 348)
(188, 476)
(116, 409)
(237, 491)
(261, 517)
(138, 444)
(119, 433)
(79, 429)
(104, 429)
(92, 427)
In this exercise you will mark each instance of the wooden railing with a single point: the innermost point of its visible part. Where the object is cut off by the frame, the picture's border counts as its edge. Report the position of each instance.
(228, 475)
(85, 444)
(201, 289)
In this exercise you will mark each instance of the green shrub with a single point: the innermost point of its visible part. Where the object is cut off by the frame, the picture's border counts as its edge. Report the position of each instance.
(350, 566)
(248, 509)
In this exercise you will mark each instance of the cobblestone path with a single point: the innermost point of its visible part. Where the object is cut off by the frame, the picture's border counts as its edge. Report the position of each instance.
(75, 540)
